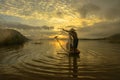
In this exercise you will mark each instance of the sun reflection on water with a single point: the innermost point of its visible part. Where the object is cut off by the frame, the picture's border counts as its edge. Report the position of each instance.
(57, 46)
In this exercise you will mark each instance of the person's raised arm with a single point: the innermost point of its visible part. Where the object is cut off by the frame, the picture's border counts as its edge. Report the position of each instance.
(65, 30)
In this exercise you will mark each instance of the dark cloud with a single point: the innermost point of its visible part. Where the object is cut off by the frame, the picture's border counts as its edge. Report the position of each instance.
(47, 27)
(108, 9)
(59, 14)
(99, 30)
(88, 9)
(20, 26)
(112, 13)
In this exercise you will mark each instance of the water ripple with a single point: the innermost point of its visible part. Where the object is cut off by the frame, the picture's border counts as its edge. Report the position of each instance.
(30, 61)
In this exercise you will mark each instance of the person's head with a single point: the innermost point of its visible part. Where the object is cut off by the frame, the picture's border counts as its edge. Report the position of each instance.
(72, 30)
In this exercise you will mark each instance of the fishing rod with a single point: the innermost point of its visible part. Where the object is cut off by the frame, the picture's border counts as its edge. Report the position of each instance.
(56, 37)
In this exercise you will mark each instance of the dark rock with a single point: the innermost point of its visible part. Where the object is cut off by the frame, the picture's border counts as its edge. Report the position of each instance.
(11, 37)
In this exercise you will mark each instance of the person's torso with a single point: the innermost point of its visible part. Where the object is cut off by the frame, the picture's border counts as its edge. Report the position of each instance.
(74, 35)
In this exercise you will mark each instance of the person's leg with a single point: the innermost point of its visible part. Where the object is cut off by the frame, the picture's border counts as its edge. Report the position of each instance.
(75, 44)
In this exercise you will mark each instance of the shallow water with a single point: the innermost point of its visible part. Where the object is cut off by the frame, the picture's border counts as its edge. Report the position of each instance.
(98, 60)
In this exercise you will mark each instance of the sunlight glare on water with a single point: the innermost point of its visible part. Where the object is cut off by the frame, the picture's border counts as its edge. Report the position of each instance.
(48, 61)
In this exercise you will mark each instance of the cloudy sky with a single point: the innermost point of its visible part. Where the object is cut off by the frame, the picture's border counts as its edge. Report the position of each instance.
(91, 18)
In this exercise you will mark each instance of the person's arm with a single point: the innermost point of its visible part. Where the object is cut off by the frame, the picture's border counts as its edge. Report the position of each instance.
(65, 30)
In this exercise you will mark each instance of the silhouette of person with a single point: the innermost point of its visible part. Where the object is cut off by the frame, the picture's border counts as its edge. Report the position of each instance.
(73, 35)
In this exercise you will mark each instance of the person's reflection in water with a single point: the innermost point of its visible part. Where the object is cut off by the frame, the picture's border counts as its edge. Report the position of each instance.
(73, 66)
